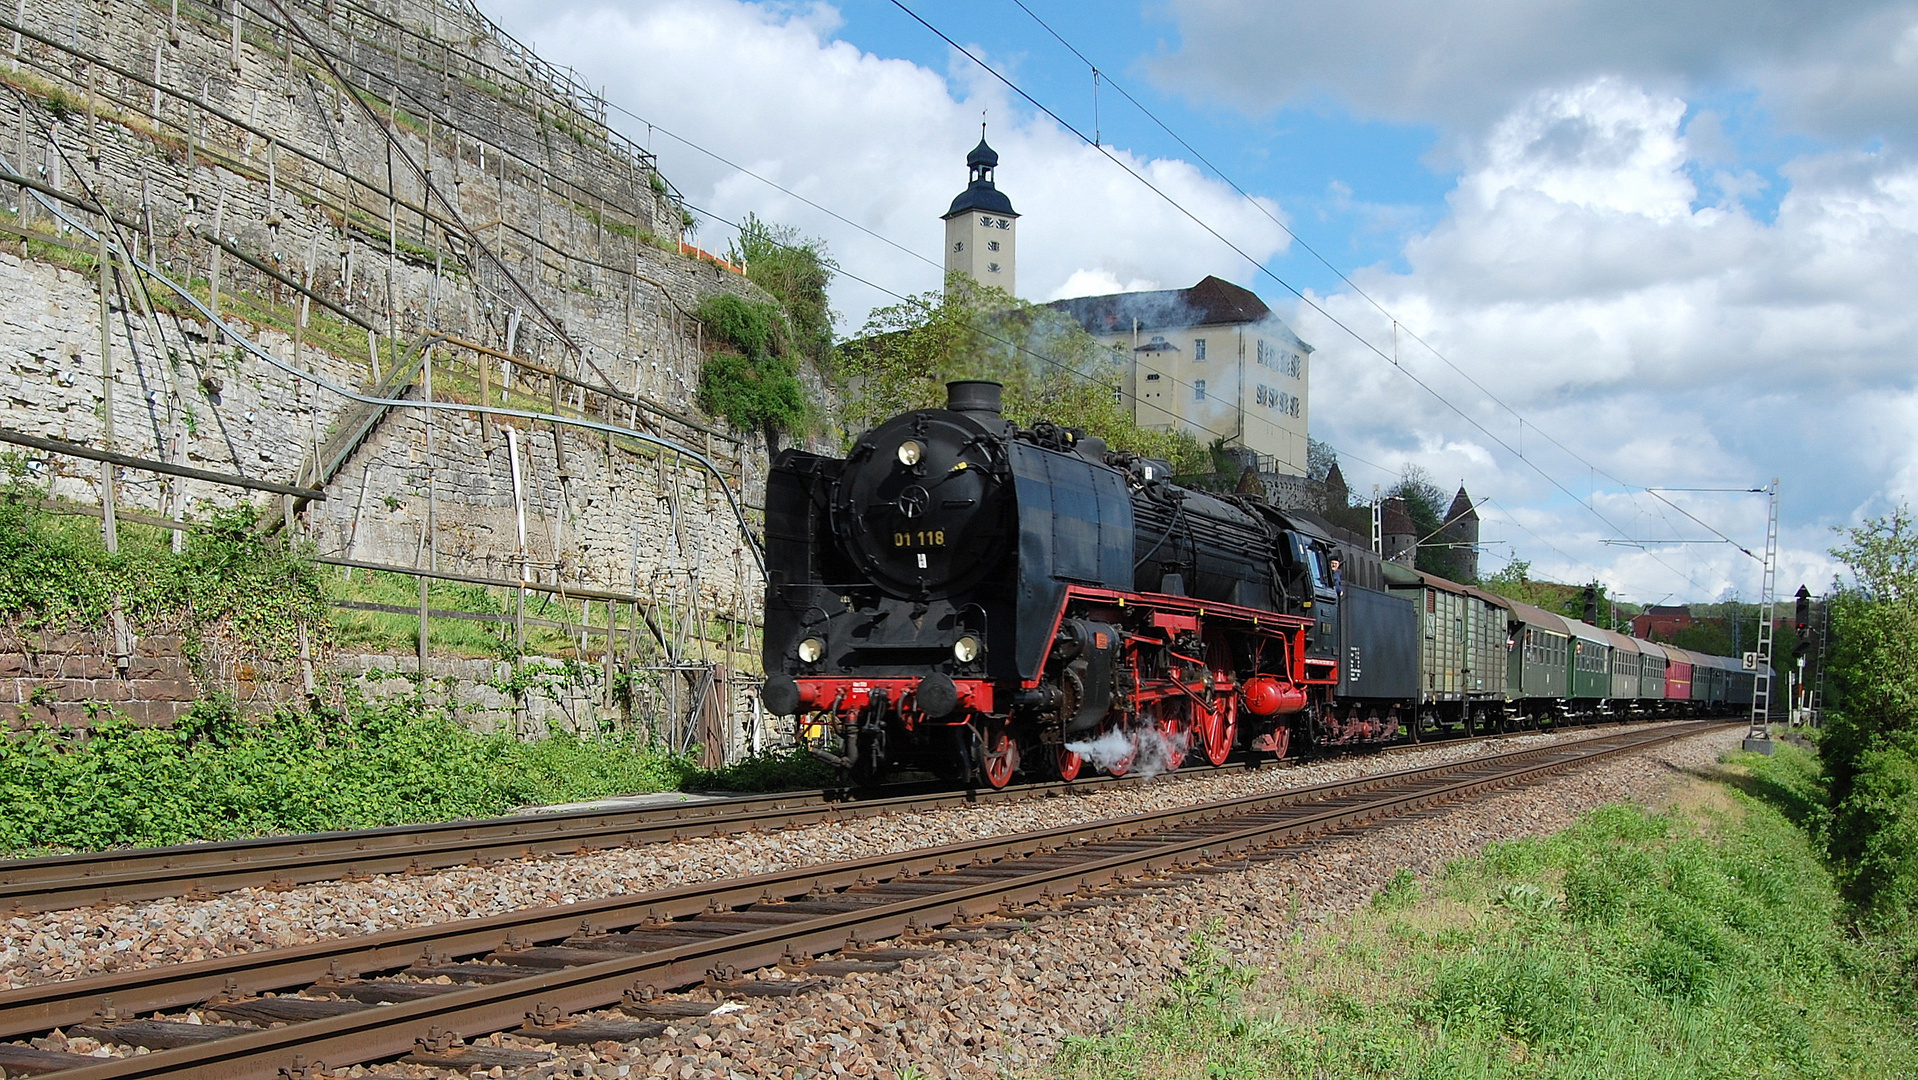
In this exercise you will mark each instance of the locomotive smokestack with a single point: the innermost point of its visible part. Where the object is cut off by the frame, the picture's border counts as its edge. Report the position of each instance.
(975, 396)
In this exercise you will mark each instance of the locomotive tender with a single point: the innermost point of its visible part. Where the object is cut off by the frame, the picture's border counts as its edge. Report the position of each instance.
(966, 596)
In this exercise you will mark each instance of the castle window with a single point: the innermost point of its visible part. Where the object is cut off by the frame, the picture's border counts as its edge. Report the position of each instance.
(992, 245)
(1003, 223)
(1153, 377)
(994, 267)
(958, 245)
(1198, 348)
(1198, 389)
(986, 221)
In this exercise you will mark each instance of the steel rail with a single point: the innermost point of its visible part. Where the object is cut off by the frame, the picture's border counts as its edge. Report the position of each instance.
(58, 882)
(117, 876)
(1004, 869)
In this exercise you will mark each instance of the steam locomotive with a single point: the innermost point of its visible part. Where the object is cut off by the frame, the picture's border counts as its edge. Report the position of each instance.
(961, 595)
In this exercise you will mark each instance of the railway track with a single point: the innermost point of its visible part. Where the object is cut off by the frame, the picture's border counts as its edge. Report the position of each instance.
(121, 876)
(403, 992)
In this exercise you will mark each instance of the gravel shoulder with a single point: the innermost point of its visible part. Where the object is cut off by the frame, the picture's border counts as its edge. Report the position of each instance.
(78, 942)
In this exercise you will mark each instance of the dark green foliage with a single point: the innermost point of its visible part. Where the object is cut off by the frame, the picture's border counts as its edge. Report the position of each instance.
(756, 385)
(217, 775)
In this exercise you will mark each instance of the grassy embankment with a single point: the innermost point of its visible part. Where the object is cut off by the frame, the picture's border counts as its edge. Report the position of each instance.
(342, 763)
(1708, 940)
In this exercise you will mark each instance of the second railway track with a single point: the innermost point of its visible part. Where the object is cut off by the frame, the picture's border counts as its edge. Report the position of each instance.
(380, 996)
(58, 882)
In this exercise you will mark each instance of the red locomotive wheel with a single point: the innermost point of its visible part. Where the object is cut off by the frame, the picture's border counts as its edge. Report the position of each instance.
(1123, 764)
(1000, 758)
(1281, 741)
(1172, 718)
(1068, 762)
(1217, 729)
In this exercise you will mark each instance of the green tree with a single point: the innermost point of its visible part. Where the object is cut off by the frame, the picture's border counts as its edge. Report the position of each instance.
(1870, 743)
(1425, 504)
(1051, 368)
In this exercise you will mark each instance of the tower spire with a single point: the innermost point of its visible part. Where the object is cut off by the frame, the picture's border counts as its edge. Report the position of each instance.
(981, 224)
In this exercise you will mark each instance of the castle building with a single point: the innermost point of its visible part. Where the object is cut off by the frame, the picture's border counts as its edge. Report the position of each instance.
(982, 229)
(1212, 360)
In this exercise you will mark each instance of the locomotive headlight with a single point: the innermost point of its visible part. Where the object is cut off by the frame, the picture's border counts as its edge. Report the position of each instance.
(811, 650)
(910, 452)
(966, 649)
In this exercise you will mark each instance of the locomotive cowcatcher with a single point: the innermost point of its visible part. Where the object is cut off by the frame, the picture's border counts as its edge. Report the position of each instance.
(962, 595)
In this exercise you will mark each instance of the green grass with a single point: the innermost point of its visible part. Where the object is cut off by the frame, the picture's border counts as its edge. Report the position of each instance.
(1705, 941)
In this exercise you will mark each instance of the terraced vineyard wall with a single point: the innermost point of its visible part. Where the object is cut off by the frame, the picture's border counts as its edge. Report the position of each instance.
(314, 209)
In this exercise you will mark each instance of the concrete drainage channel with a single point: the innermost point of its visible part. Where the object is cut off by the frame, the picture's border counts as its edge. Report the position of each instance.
(402, 994)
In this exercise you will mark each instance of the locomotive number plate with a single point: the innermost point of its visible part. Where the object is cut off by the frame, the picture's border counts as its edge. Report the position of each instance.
(922, 538)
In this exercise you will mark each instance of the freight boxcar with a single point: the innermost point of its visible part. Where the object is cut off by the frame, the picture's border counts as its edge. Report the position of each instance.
(1462, 662)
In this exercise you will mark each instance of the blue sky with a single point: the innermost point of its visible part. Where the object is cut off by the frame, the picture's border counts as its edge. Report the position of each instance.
(1352, 185)
(1674, 241)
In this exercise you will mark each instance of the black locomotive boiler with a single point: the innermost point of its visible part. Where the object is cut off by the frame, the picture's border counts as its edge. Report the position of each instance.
(964, 595)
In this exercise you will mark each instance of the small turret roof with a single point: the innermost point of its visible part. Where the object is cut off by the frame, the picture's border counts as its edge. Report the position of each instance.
(983, 155)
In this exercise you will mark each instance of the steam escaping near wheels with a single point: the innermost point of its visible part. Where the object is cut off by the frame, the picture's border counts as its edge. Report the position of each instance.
(1146, 753)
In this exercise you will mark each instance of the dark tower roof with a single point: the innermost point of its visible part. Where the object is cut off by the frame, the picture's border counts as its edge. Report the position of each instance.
(1336, 490)
(1395, 519)
(981, 194)
(1461, 507)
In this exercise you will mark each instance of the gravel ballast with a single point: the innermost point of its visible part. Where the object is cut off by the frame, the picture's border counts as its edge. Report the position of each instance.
(52, 946)
(1003, 1008)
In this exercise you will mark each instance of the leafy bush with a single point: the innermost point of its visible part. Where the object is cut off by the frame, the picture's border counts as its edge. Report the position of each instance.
(219, 775)
(797, 271)
(56, 576)
(756, 385)
(762, 395)
(776, 770)
(746, 327)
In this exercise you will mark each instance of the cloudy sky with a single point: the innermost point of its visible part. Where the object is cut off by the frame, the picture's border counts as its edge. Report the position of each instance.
(1627, 245)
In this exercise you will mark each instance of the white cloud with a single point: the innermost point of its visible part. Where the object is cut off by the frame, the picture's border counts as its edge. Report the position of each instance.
(1842, 70)
(1663, 341)
(880, 141)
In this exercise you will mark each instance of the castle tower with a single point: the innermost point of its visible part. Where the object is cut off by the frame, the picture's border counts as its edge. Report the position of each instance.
(982, 228)
(1398, 536)
(1338, 495)
(1461, 531)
